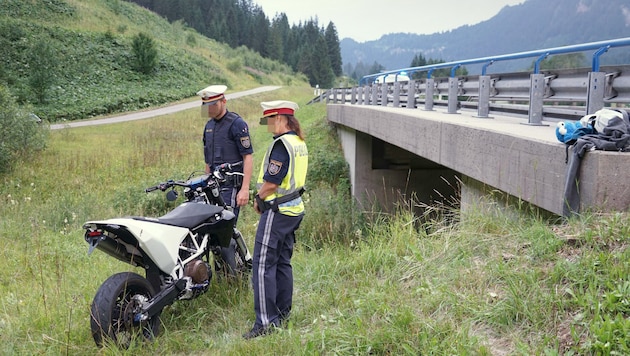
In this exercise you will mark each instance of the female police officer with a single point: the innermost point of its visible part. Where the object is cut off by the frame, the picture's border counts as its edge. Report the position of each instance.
(280, 186)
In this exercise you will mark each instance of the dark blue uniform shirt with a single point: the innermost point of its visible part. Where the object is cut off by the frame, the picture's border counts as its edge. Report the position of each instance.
(226, 140)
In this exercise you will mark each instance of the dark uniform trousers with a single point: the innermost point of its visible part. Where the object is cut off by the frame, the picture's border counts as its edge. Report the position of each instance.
(272, 272)
(228, 193)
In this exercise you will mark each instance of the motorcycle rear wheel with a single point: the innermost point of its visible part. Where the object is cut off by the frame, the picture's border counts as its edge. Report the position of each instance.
(114, 306)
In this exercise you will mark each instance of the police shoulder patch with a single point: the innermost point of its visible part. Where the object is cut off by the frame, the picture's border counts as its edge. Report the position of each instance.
(245, 142)
(274, 167)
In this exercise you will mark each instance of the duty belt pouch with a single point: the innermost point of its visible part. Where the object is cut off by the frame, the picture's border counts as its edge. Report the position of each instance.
(274, 204)
(237, 180)
(264, 206)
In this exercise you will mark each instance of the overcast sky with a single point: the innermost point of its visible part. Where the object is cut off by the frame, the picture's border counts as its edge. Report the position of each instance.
(366, 20)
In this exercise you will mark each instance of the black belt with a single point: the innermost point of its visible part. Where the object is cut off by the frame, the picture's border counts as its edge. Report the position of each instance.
(235, 180)
(273, 204)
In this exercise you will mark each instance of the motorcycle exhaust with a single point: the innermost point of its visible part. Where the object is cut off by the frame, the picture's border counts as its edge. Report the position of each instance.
(111, 247)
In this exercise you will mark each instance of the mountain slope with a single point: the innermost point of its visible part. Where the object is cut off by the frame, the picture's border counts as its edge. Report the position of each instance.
(535, 24)
(76, 60)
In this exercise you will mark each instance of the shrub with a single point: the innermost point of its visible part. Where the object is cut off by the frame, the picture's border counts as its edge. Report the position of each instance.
(191, 40)
(22, 133)
(235, 65)
(145, 53)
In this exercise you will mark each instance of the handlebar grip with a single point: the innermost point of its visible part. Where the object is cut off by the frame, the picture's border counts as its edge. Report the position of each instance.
(228, 166)
(162, 186)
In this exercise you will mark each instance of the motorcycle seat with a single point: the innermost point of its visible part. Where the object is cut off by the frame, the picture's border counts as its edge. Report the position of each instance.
(188, 215)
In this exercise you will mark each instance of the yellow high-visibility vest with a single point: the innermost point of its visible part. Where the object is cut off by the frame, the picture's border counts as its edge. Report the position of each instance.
(296, 175)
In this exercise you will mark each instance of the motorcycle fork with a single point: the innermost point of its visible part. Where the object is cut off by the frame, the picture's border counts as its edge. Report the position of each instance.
(217, 257)
(242, 247)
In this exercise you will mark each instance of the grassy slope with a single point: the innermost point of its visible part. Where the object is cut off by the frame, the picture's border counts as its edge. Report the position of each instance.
(88, 56)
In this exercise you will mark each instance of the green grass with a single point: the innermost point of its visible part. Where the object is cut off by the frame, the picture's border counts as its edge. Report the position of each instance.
(491, 284)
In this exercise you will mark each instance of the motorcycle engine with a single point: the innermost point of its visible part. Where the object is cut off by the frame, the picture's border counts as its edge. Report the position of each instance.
(198, 271)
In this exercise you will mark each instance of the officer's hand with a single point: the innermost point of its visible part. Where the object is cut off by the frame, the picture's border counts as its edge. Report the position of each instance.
(242, 197)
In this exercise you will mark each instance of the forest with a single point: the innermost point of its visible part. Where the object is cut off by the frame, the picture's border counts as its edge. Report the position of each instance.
(306, 47)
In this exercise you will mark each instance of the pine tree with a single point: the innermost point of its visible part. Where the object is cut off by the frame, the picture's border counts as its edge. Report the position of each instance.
(334, 49)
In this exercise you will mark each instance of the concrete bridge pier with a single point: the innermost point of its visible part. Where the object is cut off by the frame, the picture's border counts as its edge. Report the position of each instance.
(379, 184)
(384, 176)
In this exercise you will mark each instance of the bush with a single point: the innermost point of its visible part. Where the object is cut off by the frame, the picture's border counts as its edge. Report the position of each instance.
(22, 134)
(145, 53)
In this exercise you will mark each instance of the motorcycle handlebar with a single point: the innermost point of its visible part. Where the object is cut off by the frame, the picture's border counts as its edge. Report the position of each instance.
(164, 186)
(218, 172)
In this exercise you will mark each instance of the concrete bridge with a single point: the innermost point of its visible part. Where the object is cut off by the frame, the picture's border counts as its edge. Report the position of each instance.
(402, 138)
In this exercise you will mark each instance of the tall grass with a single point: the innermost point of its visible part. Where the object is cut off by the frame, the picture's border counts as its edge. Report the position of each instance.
(490, 284)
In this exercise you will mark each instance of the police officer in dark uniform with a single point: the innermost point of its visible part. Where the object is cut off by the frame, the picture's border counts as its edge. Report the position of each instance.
(226, 140)
(280, 186)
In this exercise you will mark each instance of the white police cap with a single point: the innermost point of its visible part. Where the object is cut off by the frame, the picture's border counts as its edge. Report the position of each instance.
(210, 95)
(278, 107)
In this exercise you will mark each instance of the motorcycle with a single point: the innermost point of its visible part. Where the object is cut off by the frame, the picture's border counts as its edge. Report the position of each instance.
(175, 250)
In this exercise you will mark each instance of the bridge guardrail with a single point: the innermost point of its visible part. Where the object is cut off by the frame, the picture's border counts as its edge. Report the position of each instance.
(550, 94)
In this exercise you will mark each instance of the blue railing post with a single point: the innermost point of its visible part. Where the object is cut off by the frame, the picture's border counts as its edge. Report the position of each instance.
(596, 56)
(596, 84)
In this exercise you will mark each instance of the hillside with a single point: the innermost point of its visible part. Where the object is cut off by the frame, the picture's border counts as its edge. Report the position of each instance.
(534, 24)
(76, 61)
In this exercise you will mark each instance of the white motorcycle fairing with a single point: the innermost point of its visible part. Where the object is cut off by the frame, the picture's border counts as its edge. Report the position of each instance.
(159, 241)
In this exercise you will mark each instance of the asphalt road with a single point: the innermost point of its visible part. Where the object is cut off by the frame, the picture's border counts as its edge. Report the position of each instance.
(139, 115)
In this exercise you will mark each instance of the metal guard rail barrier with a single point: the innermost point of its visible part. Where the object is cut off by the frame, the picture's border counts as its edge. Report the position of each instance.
(560, 94)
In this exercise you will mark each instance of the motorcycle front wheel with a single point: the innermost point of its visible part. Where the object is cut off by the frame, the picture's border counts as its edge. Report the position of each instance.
(113, 309)
(226, 266)
(234, 263)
